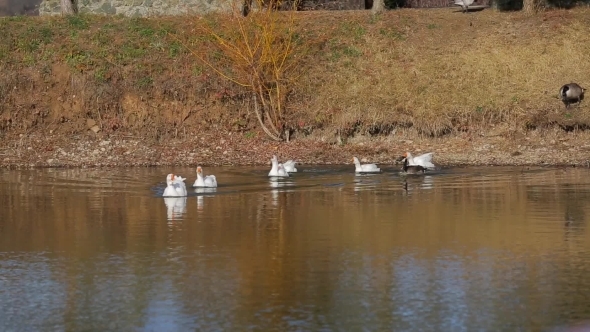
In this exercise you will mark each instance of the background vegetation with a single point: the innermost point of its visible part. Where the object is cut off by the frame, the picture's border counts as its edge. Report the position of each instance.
(436, 72)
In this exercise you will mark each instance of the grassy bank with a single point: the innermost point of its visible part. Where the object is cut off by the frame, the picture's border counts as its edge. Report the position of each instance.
(434, 73)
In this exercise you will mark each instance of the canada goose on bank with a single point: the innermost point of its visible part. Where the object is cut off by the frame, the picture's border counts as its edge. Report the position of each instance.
(464, 3)
(571, 93)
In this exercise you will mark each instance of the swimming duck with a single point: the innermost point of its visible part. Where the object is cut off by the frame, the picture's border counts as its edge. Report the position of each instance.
(424, 160)
(277, 169)
(175, 186)
(465, 4)
(571, 93)
(179, 180)
(289, 166)
(209, 181)
(412, 169)
(366, 168)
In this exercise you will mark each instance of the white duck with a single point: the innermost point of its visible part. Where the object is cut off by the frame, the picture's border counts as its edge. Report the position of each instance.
(424, 160)
(175, 186)
(277, 169)
(180, 181)
(464, 3)
(209, 181)
(366, 168)
(290, 166)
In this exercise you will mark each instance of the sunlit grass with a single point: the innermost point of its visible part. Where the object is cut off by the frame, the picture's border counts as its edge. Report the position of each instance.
(432, 70)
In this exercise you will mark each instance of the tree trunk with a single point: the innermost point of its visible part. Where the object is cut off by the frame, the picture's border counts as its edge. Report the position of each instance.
(68, 7)
(532, 6)
(378, 7)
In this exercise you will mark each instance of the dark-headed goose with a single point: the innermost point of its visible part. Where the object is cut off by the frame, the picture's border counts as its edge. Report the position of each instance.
(571, 93)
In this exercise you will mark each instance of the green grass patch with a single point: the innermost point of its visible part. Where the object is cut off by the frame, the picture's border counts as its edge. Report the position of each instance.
(145, 82)
(77, 22)
(353, 29)
(101, 74)
(130, 52)
(140, 26)
(175, 48)
(79, 59)
(392, 33)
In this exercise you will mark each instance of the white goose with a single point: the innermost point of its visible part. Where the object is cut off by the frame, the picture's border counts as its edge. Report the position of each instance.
(366, 168)
(175, 186)
(424, 160)
(209, 181)
(464, 3)
(290, 166)
(277, 169)
(179, 181)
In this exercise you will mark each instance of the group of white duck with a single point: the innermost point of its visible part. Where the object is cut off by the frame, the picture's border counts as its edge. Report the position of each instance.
(175, 186)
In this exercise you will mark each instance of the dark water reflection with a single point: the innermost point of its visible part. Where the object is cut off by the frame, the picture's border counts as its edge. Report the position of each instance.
(461, 250)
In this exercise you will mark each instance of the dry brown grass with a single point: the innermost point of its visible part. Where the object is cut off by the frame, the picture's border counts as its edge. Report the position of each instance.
(433, 71)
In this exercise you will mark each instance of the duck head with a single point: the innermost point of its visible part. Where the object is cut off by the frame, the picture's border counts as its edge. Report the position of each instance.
(199, 172)
(169, 178)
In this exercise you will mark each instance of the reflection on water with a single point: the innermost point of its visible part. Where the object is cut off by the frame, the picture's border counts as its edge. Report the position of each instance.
(279, 185)
(176, 207)
(201, 194)
(459, 250)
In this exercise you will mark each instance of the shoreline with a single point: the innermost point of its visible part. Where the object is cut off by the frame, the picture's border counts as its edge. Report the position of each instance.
(215, 148)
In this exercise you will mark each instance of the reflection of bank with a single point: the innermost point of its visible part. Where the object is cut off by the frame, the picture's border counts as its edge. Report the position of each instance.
(176, 207)
(202, 194)
(574, 214)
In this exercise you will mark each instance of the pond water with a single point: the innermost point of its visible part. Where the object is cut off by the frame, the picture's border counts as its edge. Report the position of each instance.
(462, 249)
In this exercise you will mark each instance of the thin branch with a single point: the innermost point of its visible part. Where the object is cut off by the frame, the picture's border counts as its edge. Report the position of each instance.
(271, 135)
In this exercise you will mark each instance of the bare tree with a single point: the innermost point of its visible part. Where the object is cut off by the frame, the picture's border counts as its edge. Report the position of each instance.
(68, 7)
(378, 7)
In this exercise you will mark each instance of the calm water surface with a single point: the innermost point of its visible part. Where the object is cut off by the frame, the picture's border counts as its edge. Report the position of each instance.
(464, 249)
